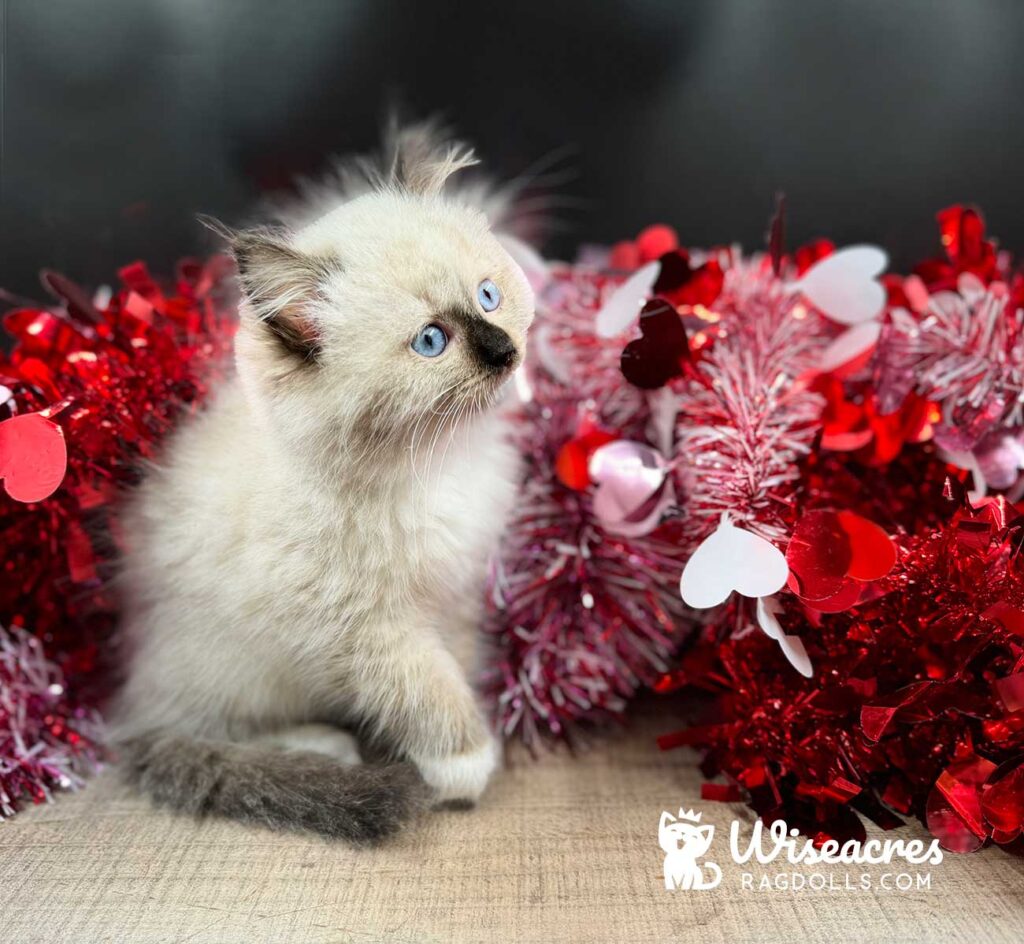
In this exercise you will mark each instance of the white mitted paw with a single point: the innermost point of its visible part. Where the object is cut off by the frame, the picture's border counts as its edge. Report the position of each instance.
(461, 776)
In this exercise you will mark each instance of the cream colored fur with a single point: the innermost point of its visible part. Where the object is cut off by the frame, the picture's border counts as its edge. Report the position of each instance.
(311, 548)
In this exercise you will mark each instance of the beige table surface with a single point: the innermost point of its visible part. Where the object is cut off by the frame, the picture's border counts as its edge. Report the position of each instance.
(561, 849)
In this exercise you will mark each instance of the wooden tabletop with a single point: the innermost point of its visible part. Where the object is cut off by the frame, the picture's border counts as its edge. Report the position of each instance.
(562, 849)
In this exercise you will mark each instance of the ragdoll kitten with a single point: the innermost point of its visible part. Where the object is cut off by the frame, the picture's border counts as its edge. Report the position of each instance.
(309, 555)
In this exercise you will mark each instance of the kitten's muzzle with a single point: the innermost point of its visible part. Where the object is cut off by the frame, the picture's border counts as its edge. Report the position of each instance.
(491, 346)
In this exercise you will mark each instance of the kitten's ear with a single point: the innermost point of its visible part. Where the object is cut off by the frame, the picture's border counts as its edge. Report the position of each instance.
(666, 818)
(280, 284)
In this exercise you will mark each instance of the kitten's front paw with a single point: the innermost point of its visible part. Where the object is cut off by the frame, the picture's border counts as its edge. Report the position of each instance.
(461, 777)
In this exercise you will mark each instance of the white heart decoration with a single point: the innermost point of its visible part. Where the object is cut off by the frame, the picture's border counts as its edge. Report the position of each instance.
(845, 286)
(624, 304)
(792, 646)
(767, 617)
(796, 654)
(548, 357)
(850, 344)
(732, 559)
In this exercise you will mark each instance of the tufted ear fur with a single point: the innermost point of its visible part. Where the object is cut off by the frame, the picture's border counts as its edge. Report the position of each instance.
(280, 283)
(422, 159)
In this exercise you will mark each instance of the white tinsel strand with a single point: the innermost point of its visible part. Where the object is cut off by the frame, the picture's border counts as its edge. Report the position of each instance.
(584, 618)
(966, 352)
(46, 743)
(746, 425)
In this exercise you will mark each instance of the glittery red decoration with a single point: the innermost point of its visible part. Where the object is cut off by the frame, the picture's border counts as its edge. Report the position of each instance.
(662, 349)
(573, 459)
(907, 588)
(33, 457)
(831, 553)
(811, 253)
(907, 585)
(962, 229)
(105, 380)
(682, 284)
(47, 740)
(649, 245)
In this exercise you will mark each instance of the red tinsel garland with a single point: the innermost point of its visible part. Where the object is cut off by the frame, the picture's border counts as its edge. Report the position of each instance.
(910, 626)
(114, 375)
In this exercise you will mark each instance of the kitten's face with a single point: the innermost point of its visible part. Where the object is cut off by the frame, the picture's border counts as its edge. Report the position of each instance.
(412, 316)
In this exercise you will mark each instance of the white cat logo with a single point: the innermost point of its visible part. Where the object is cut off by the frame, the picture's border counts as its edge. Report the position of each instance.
(685, 841)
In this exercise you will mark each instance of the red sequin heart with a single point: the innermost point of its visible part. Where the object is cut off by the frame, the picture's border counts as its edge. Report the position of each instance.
(33, 457)
(832, 555)
(681, 284)
(660, 352)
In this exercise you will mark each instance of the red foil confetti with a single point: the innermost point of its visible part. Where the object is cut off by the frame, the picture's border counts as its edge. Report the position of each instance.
(901, 684)
(89, 390)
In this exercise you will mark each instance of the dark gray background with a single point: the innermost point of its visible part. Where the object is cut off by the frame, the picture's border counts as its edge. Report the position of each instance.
(123, 118)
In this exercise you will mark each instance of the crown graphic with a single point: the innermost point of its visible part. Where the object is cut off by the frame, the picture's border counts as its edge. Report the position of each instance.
(692, 815)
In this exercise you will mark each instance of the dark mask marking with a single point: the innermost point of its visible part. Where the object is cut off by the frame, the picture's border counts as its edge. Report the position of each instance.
(493, 349)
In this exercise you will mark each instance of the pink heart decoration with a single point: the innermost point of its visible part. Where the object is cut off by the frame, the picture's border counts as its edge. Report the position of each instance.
(633, 487)
(732, 559)
(33, 457)
(845, 286)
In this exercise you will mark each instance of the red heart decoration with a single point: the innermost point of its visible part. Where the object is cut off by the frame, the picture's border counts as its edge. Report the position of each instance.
(833, 555)
(872, 553)
(846, 597)
(573, 460)
(681, 284)
(660, 352)
(652, 242)
(656, 240)
(33, 457)
(812, 252)
(818, 556)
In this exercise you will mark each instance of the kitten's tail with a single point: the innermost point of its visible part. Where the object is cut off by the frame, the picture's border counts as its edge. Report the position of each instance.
(297, 790)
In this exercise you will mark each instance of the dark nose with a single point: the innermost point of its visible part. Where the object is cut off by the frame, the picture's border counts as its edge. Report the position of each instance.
(492, 346)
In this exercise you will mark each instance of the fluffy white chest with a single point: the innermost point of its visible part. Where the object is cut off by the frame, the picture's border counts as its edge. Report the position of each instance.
(448, 518)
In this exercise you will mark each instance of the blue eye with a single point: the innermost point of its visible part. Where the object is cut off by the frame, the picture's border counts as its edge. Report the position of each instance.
(430, 341)
(488, 294)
